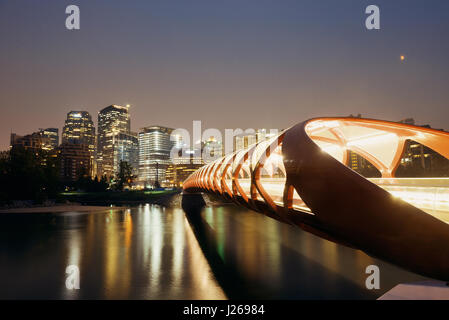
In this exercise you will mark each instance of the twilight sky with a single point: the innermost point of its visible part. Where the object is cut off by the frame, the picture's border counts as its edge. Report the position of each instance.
(232, 64)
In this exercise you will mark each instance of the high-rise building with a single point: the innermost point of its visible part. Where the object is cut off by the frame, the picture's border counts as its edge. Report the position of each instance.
(112, 120)
(420, 161)
(154, 154)
(79, 129)
(76, 160)
(126, 148)
(44, 139)
(245, 140)
(362, 166)
(264, 134)
(34, 141)
(116, 142)
(212, 149)
(182, 167)
(52, 134)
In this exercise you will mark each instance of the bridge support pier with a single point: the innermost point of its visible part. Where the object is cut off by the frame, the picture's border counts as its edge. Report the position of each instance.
(192, 203)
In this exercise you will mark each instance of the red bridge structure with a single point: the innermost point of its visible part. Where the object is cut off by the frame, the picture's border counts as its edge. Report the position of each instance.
(301, 177)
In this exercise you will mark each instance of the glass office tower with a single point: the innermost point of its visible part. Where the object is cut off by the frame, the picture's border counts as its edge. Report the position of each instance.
(52, 134)
(79, 129)
(116, 142)
(154, 155)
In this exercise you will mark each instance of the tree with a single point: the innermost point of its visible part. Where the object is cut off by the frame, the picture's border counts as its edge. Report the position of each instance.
(104, 183)
(124, 177)
(86, 183)
(29, 175)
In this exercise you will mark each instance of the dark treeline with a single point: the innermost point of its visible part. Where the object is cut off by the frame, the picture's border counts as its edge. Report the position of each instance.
(28, 175)
(86, 183)
(35, 175)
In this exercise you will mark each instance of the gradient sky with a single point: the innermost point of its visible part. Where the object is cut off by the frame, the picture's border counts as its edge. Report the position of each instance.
(231, 64)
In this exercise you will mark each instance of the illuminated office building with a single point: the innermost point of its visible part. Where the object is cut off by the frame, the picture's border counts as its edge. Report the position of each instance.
(154, 154)
(44, 139)
(245, 140)
(183, 165)
(264, 134)
(75, 160)
(181, 168)
(361, 165)
(212, 149)
(37, 143)
(51, 137)
(34, 142)
(79, 129)
(116, 142)
(126, 148)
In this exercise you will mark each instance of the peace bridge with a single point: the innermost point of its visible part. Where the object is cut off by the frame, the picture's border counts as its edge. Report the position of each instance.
(301, 177)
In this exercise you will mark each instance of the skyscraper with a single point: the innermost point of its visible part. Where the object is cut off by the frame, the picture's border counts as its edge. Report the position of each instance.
(212, 149)
(34, 141)
(79, 129)
(76, 160)
(116, 142)
(44, 139)
(154, 154)
(183, 166)
(244, 141)
(51, 135)
(126, 148)
(247, 139)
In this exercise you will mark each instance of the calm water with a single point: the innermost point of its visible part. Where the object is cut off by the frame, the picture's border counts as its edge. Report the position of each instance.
(149, 252)
(272, 260)
(140, 253)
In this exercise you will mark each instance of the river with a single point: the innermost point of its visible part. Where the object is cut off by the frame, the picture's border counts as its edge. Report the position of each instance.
(152, 252)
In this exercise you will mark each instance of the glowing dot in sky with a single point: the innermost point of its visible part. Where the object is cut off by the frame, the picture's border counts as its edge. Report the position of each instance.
(402, 57)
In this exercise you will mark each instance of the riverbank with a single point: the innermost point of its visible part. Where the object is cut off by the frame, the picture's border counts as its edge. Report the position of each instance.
(59, 209)
(161, 197)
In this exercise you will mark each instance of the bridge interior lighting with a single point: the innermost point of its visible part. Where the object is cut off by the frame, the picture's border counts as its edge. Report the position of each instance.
(332, 124)
(371, 139)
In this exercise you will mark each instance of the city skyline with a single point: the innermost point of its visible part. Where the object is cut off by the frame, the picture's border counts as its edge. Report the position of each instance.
(175, 63)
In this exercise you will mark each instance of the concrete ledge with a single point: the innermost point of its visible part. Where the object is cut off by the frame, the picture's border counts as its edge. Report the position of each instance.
(426, 290)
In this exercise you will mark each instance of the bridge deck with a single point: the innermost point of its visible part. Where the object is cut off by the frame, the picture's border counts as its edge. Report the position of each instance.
(428, 194)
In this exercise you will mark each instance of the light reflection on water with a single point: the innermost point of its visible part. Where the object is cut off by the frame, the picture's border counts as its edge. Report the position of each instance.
(276, 260)
(139, 253)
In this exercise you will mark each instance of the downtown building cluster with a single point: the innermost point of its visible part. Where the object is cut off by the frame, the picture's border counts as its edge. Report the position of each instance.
(83, 151)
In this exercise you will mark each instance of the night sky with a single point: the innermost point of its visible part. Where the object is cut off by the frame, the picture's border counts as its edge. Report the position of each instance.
(231, 64)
